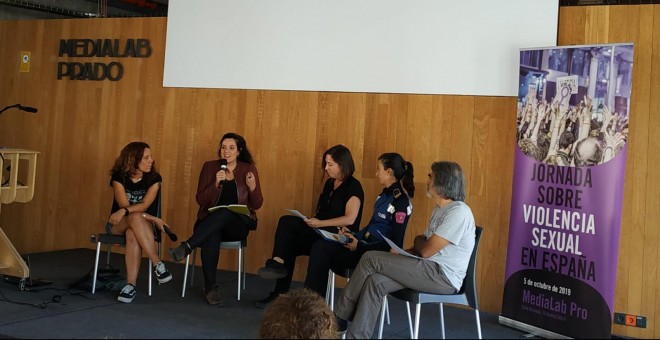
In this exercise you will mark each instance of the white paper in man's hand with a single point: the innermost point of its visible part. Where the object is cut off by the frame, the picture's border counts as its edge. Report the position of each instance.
(297, 213)
(397, 249)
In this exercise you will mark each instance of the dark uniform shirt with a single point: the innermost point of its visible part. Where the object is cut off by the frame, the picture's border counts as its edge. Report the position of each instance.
(391, 213)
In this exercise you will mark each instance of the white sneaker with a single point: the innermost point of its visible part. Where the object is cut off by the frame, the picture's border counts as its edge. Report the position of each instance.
(162, 274)
(127, 294)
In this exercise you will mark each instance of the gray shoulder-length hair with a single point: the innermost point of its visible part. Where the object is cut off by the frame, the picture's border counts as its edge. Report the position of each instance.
(448, 180)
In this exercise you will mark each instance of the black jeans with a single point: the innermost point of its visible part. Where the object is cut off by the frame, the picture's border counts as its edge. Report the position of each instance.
(326, 255)
(220, 226)
(292, 239)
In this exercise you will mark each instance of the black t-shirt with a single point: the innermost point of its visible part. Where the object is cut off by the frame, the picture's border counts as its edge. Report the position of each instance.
(135, 191)
(332, 202)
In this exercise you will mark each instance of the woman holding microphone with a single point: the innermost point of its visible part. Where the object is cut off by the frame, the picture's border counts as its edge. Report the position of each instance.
(232, 179)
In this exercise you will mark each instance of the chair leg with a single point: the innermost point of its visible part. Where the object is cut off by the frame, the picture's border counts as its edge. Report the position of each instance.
(382, 317)
(192, 272)
(327, 289)
(418, 311)
(96, 266)
(185, 276)
(150, 274)
(107, 256)
(387, 311)
(240, 266)
(476, 313)
(244, 255)
(410, 325)
(332, 291)
(442, 321)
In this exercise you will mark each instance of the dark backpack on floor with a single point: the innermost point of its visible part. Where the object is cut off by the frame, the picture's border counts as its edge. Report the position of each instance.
(106, 279)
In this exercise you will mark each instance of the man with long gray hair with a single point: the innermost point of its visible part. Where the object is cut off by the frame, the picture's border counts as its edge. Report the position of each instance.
(445, 249)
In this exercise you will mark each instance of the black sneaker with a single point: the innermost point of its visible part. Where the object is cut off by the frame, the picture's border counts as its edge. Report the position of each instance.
(127, 294)
(179, 252)
(162, 274)
(273, 270)
(342, 325)
(261, 304)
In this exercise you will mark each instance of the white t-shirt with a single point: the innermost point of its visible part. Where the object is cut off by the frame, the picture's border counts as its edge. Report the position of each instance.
(455, 223)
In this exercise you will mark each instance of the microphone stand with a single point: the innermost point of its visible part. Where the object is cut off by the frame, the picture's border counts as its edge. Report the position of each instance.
(20, 107)
(29, 282)
(1, 111)
(9, 107)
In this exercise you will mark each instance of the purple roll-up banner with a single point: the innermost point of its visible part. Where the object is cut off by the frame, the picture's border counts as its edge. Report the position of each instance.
(569, 172)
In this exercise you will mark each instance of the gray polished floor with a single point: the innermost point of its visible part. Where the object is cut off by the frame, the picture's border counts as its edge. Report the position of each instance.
(54, 311)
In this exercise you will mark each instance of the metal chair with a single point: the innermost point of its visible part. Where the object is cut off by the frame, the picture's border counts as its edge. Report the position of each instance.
(330, 291)
(466, 296)
(241, 246)
(110, 240)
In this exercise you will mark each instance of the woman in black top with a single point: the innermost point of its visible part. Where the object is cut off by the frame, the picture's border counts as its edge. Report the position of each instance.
(340, 205)
(135, 184)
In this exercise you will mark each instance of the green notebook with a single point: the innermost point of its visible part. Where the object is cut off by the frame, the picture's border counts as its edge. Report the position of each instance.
(237, 208)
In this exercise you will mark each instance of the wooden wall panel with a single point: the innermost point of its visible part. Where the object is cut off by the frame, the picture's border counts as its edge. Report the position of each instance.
(638, 24)
(637, 272)
(652, 196)
(82, 125)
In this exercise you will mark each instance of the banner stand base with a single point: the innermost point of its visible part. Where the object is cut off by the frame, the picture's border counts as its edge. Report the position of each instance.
(544, 333)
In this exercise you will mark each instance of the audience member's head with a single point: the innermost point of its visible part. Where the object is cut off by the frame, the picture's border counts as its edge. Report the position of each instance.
(566, 140)
(299, 314)
(624, 129)
(529, 148)
(543, 146)
(553, 160)
(588, 152)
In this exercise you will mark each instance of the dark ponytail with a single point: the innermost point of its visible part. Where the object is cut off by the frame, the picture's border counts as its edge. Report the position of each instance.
(407, 180)
(402, 170)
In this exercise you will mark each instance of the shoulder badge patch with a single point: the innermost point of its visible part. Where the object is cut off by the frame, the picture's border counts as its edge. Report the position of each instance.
(397, 193)
(400, 217)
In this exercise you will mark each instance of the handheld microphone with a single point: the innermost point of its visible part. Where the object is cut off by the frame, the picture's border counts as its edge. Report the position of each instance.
(223, 166)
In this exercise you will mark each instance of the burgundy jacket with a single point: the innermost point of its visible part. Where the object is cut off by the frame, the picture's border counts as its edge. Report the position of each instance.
(208, 193)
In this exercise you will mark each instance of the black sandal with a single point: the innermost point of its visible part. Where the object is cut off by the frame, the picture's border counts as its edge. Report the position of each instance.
(169, 233)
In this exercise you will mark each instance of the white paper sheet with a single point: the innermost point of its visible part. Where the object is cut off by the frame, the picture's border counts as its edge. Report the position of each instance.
(397, 249)
(297, 213)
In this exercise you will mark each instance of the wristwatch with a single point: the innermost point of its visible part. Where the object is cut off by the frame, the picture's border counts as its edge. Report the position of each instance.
(126, 212)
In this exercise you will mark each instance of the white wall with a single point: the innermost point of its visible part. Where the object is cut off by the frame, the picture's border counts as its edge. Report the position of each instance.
(387, 46)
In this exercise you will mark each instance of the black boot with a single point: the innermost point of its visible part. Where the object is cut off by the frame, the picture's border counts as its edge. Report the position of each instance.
(179, 252)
